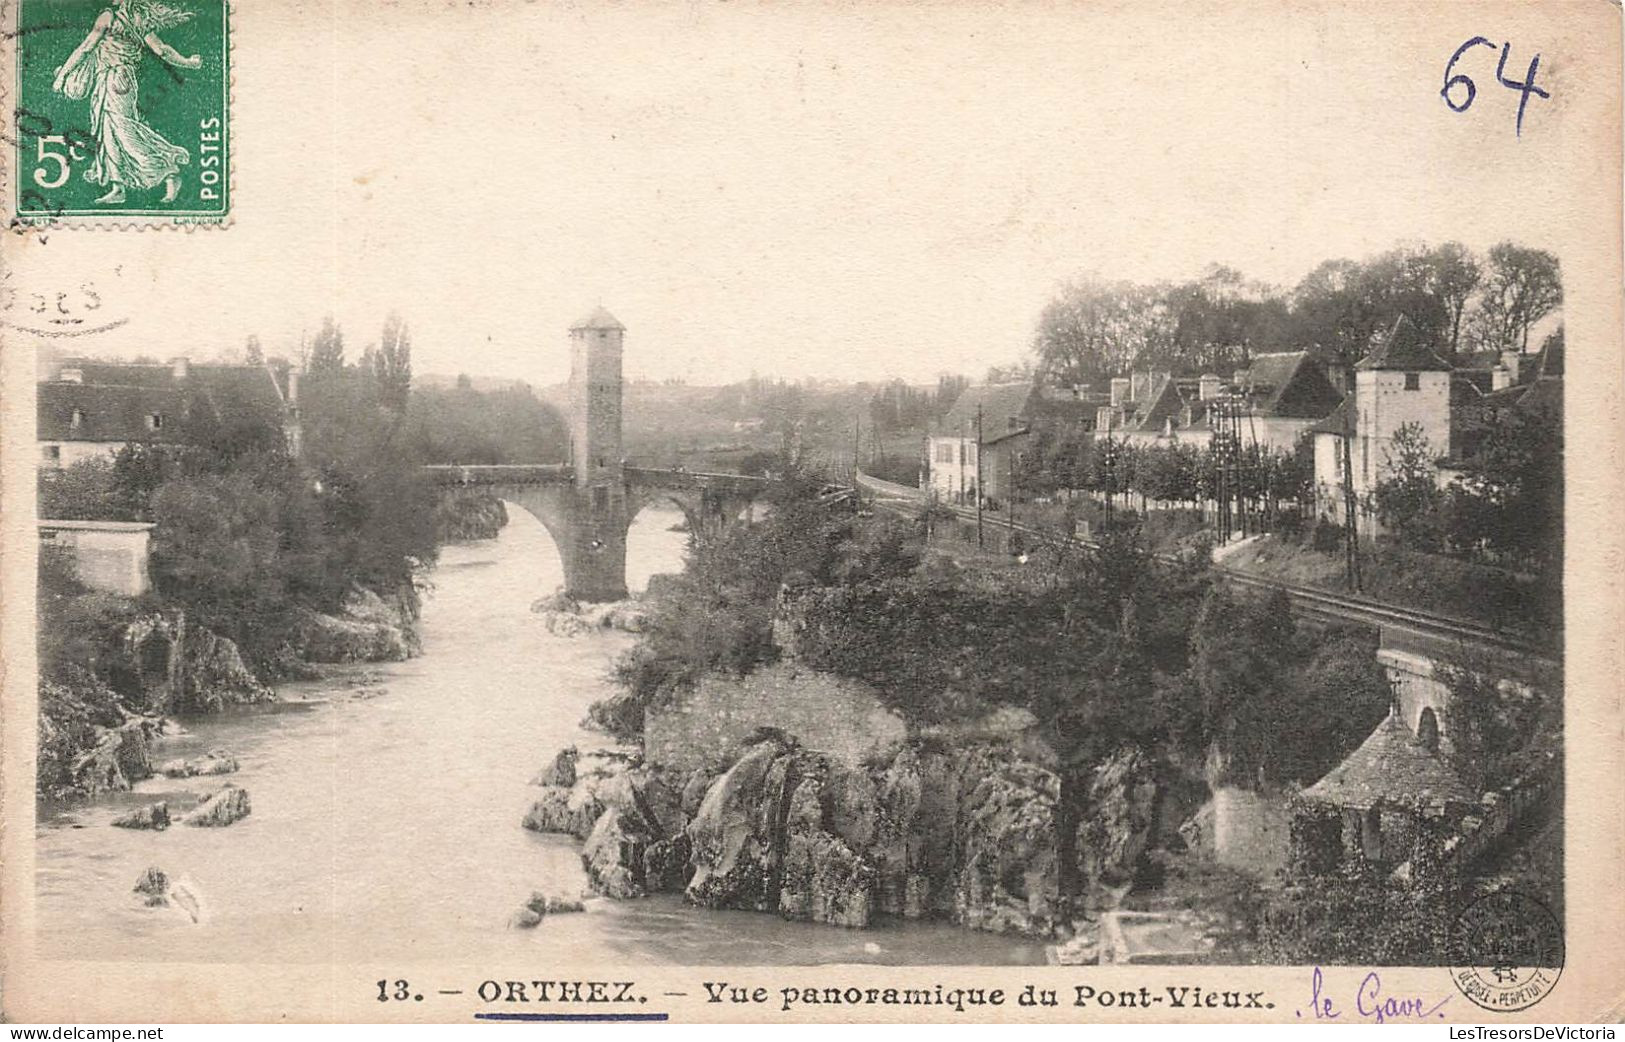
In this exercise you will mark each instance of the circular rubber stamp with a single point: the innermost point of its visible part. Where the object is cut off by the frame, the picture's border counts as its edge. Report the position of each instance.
(1506, 951)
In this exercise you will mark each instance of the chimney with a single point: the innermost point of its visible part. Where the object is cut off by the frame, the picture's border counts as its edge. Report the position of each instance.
(1340, 375)
(1120, 387)
(180, 367)
(293, 388)
(1208, 386)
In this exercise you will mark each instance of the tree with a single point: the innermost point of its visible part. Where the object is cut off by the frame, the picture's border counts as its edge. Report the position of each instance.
(1408, 498)
(1455, 274)
(1220, 320)
(392, 364)
(253, 354)
(327, 350)
(1522, 287)
(1094, 329)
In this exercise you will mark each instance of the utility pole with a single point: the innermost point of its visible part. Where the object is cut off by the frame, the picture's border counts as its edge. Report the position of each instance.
(857, 433)
(1011, 491)
(979, 489)
(1351, 545)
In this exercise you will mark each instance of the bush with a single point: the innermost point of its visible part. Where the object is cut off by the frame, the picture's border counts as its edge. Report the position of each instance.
(1327, 536)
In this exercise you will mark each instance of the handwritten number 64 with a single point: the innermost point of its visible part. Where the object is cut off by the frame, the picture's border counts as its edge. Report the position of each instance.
(1525, 87)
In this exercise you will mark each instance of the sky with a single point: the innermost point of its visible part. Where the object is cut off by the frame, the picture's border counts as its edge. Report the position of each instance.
(804, 190)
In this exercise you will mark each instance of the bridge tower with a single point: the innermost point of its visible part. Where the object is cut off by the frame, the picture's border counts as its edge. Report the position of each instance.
(595, 560)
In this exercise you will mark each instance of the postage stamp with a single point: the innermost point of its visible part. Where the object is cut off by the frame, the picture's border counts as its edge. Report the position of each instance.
(122, 112)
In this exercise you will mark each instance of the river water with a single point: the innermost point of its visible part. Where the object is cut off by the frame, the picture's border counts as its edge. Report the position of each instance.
(387, 825)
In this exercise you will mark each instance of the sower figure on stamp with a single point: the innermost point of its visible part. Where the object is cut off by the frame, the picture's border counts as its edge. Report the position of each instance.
(129, 152)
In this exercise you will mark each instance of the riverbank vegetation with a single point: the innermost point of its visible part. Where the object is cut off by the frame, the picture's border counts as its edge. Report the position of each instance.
(281, 536)
(1139, 675)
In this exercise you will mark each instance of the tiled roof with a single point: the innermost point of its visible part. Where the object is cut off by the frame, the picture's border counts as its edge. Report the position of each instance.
(115, 413)
(115, 400)
(999, 402)
(1166, 404)
(1403, 348)
(125, 374)
(599, 319)
(1341, 420)
(1290, 384)
(1390, 765)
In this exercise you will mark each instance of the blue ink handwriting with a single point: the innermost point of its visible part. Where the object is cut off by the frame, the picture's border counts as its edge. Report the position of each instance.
(1371, 1004)
(1462, 82)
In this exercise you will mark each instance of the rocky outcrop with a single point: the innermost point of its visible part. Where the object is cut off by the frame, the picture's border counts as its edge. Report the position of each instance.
(472, 515)
(225, 807)
(187, 668)
(157, 890)
(368, 629)
(561, 773)
(565, 617)
(1112, 837)
(120, 757)
(153, 887)
(214, 763)
(598, 782)
(153, 816)
(539, 906)
(967, 834)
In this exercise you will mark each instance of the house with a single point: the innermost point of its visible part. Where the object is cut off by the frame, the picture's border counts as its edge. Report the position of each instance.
(87, 409)
(1384, 789)
(971, 449)
(1271, 403)
(1401, 382)
(978, 443)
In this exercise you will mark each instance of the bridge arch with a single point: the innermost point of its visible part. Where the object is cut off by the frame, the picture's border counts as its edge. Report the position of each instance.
(588, 504)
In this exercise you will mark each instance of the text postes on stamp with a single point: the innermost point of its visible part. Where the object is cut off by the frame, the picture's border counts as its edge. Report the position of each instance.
(1506, 951)
(123, 112)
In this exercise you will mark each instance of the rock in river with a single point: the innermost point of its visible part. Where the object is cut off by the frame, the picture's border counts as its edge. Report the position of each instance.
(152, 816)
(541, 905)
(228, 805)
(153, 886)
(215, 763)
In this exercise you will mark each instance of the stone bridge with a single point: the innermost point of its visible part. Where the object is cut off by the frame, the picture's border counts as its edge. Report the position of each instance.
(588, 504)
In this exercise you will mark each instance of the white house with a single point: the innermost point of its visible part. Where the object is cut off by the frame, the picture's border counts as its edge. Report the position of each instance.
(1400, 381)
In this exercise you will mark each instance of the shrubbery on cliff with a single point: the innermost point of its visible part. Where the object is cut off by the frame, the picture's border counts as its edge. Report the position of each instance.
(1112, 646)
(472, 515)
(718, 614)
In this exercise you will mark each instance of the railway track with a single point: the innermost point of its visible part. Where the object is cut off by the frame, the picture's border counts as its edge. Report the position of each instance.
(1307, 601)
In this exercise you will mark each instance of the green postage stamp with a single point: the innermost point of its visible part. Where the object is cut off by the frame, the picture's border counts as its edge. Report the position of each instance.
(122, 112)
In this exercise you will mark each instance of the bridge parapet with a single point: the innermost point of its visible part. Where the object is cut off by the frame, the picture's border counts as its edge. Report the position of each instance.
(680, 480)
(459, 475)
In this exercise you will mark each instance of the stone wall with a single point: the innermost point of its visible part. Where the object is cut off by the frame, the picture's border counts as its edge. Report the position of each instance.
(107, 555)
(843, 719)
(1242, 829)
(1419, 690)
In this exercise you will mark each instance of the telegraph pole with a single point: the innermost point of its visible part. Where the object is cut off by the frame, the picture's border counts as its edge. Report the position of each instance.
(857, 432)
(1351, 538)
(979, 489)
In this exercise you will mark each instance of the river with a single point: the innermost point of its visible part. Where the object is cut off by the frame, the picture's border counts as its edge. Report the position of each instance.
(387, 825)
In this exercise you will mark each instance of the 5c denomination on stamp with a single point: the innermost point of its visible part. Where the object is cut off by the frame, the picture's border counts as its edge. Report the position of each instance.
(122, 112)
